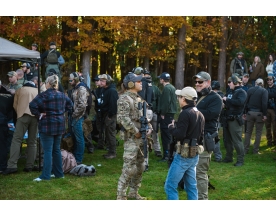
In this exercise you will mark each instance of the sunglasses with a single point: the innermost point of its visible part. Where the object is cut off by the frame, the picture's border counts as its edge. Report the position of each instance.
(70, 80)
(229, 82)
(199, 82)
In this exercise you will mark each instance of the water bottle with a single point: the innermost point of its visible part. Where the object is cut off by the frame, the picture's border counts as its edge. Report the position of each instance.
(250, 69)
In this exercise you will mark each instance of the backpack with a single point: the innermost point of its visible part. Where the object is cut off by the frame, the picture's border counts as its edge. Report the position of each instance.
(52, 57)
(83, 170)
(68, 161)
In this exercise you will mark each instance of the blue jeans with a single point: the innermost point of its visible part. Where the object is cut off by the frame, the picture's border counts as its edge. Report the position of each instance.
(186, 168)
(52, 156)
(78, 138)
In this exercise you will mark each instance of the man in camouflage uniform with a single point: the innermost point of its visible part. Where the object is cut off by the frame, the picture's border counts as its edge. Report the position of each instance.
(13, 85)
(128, 116)
(79, 98)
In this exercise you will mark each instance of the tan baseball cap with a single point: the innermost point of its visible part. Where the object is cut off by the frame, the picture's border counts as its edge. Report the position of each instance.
(188, 93)
(259, 81)
(105, 76)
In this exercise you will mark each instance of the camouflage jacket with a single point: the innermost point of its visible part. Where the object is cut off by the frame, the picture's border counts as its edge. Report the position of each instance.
(128, 114)
(79, 98)
(14, 86)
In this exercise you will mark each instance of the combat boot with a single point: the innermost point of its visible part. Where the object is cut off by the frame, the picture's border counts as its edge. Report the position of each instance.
(135, 195)
(121, 197)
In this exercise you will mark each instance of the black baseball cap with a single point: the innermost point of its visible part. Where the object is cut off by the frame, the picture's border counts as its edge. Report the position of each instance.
(96, 78)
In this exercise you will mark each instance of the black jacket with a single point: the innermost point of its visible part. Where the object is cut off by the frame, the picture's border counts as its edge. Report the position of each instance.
(6, 108)
(257, 98)
(147, 91)
(271, 96)
(109, 101)
(190, 124)
(210, 107)
(235, 103)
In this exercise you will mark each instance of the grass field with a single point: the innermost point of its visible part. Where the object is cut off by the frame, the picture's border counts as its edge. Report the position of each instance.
(253, 181)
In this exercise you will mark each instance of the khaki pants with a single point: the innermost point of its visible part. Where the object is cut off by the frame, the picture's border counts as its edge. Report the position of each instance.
(24, 123)
(202, 176)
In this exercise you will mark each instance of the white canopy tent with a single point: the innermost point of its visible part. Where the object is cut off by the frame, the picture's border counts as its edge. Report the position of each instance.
(13, 51)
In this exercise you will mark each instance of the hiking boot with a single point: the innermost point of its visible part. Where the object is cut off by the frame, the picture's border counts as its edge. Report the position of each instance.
(227, 161)
(238, 164)
(158, 153)
(164, 159)
(28, 169)
(136, 196)
(36, 168)
(110, 156)
(121, 198)
(9, 171)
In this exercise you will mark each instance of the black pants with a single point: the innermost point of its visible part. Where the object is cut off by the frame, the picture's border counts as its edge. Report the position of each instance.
(165, 135)
(4, 146)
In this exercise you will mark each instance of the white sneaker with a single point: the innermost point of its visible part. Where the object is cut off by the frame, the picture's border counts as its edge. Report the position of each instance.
(37, 179)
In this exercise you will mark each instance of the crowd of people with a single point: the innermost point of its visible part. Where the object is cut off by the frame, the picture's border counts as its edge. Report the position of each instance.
(193, 137)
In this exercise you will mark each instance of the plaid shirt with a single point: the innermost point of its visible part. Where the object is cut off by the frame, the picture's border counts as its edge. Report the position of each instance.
(54, 103)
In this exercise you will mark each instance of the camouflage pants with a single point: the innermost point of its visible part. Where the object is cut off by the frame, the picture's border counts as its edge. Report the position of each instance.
(133, 166)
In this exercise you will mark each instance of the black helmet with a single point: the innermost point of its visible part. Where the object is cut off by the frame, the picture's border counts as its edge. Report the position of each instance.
(215, 85)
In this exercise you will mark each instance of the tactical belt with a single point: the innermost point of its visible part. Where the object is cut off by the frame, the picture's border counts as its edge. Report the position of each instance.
(186, 151)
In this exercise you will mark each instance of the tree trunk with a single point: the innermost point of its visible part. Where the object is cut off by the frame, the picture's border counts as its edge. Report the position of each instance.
(86, 59)
(180, 58)
(222, 52)
(146, 63)
(210, 57)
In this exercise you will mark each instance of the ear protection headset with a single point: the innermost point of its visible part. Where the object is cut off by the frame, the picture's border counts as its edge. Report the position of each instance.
(273, 78)
(128, 83)
(215, 84)
(109, 79)
(76, 76)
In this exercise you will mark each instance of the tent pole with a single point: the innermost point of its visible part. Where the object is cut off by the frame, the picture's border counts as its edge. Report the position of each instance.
(39, 147)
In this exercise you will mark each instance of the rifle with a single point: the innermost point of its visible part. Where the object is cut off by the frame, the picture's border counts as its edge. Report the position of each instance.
(144, 124)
